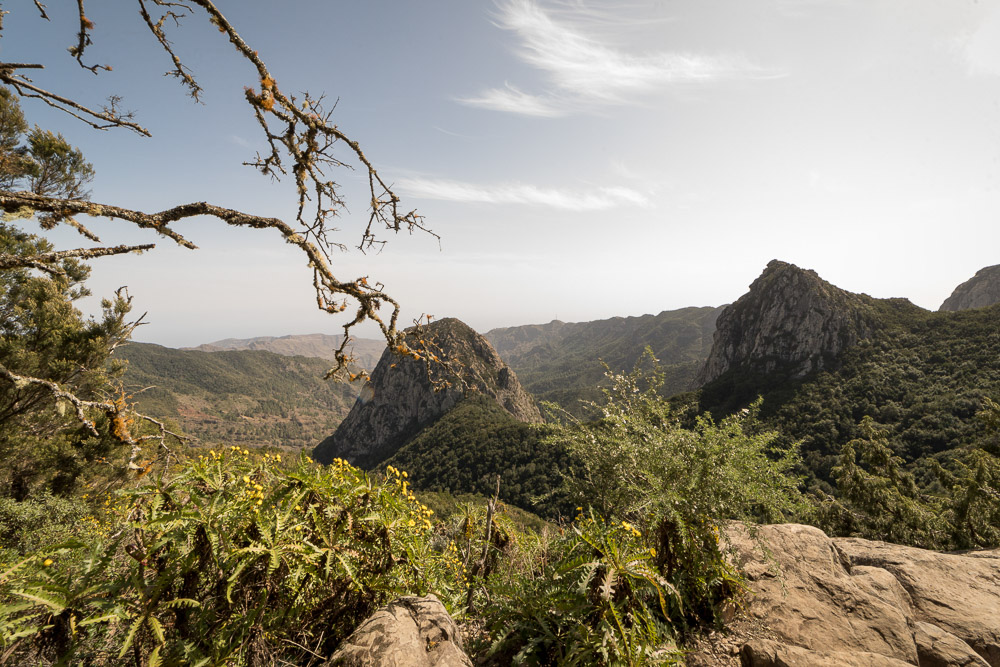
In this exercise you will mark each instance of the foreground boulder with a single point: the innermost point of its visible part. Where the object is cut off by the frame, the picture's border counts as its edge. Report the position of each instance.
(852, 602)
(410, 632)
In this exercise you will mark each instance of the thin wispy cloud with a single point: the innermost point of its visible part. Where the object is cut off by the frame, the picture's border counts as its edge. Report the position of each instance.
(586, 71)
(592, 199)
(512, 100)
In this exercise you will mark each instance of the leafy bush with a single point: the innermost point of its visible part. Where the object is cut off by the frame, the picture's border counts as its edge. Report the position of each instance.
(680, 485)
(234, 560)
(598, 600)
(30, 524)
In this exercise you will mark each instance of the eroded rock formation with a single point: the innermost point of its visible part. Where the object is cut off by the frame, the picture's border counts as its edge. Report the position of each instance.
(790, 319)
(410, 632)
(980, 291)
(400, 399)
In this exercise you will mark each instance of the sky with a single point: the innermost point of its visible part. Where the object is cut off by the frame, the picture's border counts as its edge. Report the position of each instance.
(579, 159)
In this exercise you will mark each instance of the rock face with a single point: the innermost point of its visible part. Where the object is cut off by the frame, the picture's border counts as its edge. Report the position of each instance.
(400, 400)
(980, 291)
(851, 602)
(410, 632)
(790, 318)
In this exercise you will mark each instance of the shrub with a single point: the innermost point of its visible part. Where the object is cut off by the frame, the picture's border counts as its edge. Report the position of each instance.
(234, 560)
(680, 486)
(599, 600)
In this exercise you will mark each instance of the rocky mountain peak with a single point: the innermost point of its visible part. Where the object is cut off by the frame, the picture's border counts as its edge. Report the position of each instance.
(980, 291)
(791, 318)
(400, 399)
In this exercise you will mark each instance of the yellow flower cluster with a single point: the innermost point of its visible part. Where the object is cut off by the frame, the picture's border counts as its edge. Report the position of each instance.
(253, 492)
(419, 512)
(454, 563)
(632, 529)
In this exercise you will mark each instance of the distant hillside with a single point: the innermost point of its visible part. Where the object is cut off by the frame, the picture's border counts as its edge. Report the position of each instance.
(824, 358)
(561, 362)
(247, 398)
(321, 346)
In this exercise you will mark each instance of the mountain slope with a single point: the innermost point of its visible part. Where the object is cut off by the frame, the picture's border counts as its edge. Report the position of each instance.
(247, 398)
(823, 359)
(475, 442)
(402, 400)
(366, 351)
(561, 362)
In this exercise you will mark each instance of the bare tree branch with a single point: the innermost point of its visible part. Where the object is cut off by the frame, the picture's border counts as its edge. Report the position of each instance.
(110, 114)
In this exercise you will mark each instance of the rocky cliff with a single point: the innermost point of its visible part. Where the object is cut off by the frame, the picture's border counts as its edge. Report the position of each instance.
(790, 319)
(400, 399)
(982, 290)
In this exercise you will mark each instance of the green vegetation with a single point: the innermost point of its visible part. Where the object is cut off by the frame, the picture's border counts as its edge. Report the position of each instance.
(250, 398)
(44, 337)
(680, 485)
(477, 441)
(562, 363)
(923, 379)
(234, 560)
(889, 434)
(599, 600)
(878, 498)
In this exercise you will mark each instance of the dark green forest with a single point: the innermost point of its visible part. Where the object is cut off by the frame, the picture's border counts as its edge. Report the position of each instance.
(478, 442)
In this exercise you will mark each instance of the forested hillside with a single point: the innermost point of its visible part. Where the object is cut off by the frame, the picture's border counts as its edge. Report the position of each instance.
(249, 397)
(476, 443)
(920, 376)
(923, 379)
(561, 362)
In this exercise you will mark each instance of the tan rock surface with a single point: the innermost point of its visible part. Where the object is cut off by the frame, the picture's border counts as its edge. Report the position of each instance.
(410, 632)
(848, 602)
(959, 593)
(816, 603)
(764, 653)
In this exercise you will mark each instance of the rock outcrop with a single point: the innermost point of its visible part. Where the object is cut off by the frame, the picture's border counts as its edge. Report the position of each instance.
(845, 602)
(980, 291)
(410, 632)
(400, 400)
(790, 319)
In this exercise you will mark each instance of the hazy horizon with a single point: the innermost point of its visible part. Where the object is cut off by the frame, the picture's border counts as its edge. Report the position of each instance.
(580, 159)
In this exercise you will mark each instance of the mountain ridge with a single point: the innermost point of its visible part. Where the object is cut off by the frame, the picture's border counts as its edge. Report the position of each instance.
(366, 351)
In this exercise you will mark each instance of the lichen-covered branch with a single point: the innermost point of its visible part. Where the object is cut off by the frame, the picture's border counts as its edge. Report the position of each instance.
(49, 261)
